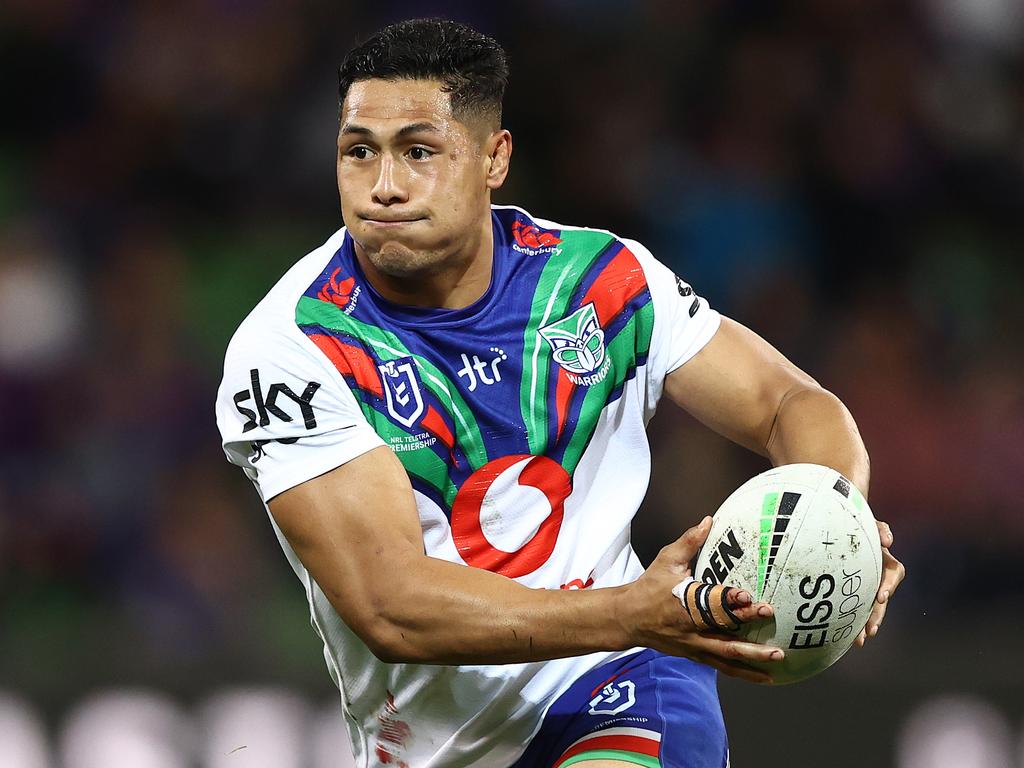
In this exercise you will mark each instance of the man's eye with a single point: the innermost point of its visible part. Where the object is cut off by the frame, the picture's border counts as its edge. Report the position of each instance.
(360, 153)
(419, 153)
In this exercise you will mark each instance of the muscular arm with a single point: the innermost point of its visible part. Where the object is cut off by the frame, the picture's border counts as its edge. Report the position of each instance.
(743, 388)
(357, 531)
(740, 386)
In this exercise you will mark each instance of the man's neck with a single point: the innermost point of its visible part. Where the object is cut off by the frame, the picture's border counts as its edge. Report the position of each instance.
(463, 279)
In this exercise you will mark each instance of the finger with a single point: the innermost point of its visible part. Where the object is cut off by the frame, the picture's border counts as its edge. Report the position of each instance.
(713, 607)
(686, 546)
(875, 619)
(742, 604)
(871, 626)
(739, 598)
(721, 609)
(736, 669)
(884, 533)
(893, 573)
(727, 648)
(694, 597)
(707, 605)
(754, 612)
(891, 578)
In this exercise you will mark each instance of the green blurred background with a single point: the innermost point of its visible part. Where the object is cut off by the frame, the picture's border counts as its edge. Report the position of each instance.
(845, 176)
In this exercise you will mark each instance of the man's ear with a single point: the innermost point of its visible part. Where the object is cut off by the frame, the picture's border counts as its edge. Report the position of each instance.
(498, 154)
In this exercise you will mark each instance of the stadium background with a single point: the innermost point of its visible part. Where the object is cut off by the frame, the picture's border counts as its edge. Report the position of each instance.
(845, 176)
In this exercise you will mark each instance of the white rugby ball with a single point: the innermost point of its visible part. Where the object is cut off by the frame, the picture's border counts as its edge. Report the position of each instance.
(802, 538)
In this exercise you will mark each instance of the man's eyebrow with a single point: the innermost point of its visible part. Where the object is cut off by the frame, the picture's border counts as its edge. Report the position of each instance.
(357, 129)
(360, 130)
(417, 128)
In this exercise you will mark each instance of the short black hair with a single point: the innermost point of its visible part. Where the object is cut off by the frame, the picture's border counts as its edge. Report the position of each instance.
(472, 66)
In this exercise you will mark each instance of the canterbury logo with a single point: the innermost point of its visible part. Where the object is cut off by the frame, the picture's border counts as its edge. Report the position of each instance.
(335, 292)
(528, 236)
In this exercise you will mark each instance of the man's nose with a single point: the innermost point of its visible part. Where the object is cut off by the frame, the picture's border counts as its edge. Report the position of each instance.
(390, 187)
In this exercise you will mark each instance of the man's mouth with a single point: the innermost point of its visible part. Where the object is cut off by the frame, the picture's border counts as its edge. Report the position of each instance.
(391, 222)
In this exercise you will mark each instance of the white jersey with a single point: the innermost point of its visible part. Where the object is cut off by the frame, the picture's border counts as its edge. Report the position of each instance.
(521, 422)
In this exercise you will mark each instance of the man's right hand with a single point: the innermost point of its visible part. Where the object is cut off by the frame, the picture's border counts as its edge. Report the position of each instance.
(659, 620)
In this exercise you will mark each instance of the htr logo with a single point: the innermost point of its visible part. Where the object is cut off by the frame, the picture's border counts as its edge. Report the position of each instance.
(480, 367)
(528, 236)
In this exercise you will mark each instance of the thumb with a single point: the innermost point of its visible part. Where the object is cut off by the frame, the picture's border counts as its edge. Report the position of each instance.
(683, 549)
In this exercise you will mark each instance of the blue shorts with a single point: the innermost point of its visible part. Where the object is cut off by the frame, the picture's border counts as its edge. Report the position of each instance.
(646, 709)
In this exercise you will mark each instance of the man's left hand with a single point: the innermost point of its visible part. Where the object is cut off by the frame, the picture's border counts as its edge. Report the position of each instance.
(892, 574)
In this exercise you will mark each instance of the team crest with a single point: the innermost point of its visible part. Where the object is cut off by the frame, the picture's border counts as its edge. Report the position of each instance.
(402, 390)
(577, 341)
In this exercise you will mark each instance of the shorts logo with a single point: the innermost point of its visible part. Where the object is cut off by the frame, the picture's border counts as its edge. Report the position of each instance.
(614, 698)
(402, 390)
(577, 345)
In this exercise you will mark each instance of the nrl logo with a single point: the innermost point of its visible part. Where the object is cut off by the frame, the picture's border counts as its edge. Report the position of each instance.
(577, 345)
(402, 390)
(614, 699)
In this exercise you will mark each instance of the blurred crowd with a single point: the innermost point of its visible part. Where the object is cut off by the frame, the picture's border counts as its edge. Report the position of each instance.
(844, 176)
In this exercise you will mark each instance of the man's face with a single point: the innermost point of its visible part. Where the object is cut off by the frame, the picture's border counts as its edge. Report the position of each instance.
(414, 181)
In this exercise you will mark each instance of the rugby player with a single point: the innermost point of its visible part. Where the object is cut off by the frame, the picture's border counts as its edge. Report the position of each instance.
(444, 408)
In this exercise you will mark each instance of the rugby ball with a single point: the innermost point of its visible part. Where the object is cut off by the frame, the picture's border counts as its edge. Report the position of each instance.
(802, 538)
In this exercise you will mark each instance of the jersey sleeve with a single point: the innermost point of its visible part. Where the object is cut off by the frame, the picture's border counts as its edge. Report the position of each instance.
(683, 321)
(284, 415)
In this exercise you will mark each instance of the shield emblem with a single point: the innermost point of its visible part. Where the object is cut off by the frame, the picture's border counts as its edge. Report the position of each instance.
(614, 698)
(402, 390)
(577, 341)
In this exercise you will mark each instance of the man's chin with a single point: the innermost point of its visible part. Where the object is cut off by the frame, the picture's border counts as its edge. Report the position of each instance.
(400, 258)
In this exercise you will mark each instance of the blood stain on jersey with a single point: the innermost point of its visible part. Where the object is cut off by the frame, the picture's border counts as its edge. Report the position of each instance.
(393, 735)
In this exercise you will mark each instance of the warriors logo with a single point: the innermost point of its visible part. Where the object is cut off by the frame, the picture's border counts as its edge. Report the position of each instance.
(577, 345)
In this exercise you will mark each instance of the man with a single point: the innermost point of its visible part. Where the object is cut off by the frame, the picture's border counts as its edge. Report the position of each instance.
(446, 384)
